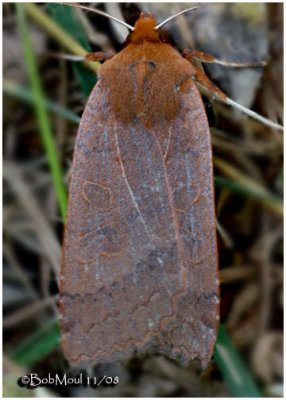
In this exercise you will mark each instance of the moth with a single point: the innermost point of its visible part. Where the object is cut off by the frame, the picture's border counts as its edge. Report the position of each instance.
(139, 266)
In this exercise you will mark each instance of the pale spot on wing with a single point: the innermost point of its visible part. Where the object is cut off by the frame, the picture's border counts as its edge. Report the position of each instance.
(104, 241)
(98, 195)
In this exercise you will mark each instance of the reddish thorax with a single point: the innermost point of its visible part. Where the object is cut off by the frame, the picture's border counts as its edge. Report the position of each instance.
(144, 29)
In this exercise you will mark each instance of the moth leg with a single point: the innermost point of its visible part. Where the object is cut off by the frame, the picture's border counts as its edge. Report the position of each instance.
(207, 58)
(203, 81)
(215, 93)
(99, 56)
(64, 56)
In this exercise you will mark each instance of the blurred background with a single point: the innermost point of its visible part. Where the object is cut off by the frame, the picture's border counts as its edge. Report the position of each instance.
(44, 97)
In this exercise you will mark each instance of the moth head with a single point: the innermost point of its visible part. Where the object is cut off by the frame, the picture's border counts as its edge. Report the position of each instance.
(145, 29)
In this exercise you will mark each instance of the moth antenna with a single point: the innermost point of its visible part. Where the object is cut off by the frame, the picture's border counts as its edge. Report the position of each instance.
(102, 13)
(174, 16)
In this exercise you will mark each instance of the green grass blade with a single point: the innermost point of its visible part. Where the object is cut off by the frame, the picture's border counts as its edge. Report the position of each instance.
(235, 372)
(41, 112)
(59, 34)
(65, 17)
(38, 345)
(246, 185)
(12, 89)
(246, 191)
